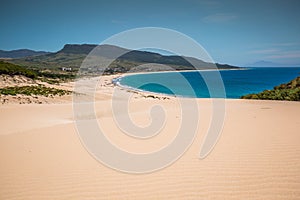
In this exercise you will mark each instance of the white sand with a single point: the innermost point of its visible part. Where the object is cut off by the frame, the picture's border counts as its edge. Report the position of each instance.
(256, 157)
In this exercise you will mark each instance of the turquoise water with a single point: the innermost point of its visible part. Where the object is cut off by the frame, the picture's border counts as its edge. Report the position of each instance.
(192, 84)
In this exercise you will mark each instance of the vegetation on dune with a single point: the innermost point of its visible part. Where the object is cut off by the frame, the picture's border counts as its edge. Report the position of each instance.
(33, 90)
(43, 75)
(60, 76)
(12, 69)
(49, 77)
(289, 92)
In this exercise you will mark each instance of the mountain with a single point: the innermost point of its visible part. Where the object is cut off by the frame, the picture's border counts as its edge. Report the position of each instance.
(72, 55)
(264, 63)
(20, 53)
(77, 48)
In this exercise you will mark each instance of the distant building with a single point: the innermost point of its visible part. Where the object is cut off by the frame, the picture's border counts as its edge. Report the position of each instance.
(66, 68)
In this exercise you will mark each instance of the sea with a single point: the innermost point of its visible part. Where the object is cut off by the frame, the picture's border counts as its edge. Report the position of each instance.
(211, 83)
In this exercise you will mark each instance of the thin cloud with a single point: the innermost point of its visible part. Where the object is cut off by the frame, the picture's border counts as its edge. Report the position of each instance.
(286, 44)
(287, 54)
(279, 45)
(219, 18)
(264, 51)
(277, 53)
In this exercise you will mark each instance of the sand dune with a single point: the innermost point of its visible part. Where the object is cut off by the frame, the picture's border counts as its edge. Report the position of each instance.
(256, 157)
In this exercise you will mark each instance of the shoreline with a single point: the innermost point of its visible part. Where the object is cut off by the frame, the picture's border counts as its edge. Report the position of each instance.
(116, 82)
(232, 92)
(193, 70)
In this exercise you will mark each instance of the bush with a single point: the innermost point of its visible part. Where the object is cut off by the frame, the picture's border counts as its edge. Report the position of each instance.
(33, 90)
(288, 92)
(12, 69)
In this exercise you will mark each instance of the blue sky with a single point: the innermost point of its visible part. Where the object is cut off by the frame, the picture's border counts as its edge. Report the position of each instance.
(232, 31)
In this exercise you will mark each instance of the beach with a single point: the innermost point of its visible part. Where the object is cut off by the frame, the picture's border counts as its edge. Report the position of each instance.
(256, 156)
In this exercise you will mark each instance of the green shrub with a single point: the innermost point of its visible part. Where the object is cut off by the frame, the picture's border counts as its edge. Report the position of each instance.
(288, 92)
(12, 69)
(33, 90)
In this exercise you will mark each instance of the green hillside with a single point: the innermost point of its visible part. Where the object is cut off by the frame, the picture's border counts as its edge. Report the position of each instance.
(20, 53)
(12, 69)
(46, 76)
(72, 55)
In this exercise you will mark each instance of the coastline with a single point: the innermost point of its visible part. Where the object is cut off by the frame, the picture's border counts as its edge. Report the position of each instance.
(117, 79)
(172, 71)
(248, 84)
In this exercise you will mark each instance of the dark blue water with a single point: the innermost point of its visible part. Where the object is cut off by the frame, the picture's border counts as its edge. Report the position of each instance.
(208, 84)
